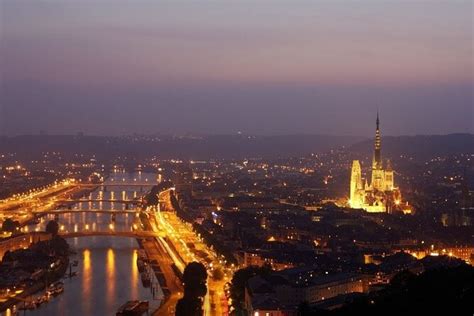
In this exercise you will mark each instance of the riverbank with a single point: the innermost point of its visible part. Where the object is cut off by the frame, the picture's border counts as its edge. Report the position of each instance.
(170, 283)
(107, 271)
(38, 286)
(172, 287)
(77, 192)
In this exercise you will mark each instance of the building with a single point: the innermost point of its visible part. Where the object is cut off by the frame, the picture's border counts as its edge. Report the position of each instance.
(262, 258)
(22, 241)
(381, 195)
(465, 253)
(280, 293)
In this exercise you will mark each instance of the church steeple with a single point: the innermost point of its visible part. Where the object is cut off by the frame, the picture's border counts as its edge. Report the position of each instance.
(378, 121)
(381, 194)
(377, 163)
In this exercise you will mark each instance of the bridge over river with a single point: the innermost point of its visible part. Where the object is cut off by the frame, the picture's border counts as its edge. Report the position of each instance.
(118, 184)
(85, 200)
(112, 233)
(91, 211)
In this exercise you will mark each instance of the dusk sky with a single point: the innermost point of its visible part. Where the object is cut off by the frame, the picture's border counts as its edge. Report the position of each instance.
(218, 67)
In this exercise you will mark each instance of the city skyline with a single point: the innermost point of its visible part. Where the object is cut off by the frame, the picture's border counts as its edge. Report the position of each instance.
(231, 158)
(312, 67)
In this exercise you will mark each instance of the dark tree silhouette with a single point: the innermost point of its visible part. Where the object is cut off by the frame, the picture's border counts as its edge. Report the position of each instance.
(304, 309)
(440, 291)
(189, 307)
(217, 274)
(195, 288)
(7, 256)
(239, 281)
(53, 228)
(10, 225)
(194, 278)
(152, 197)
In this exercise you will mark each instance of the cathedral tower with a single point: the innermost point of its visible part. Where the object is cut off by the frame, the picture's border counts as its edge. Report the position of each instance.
(389, 185)
(377, 167)
(356, 198)
(377, 160)
(381, 195)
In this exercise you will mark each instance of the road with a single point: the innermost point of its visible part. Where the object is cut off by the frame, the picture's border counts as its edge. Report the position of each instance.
(156, 252)
(21, 207)
(176, 242)
(186, 246)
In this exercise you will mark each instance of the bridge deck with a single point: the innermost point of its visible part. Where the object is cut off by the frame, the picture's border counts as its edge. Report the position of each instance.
(119, 183)
(100, 200)
(101, 211)
(130, 234)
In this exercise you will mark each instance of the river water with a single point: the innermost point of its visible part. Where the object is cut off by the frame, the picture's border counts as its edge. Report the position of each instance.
(107, 274)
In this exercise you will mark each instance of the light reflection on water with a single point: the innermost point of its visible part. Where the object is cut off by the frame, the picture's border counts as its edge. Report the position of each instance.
(107, 278)
(107, 272)
(135, 281)
(110, 268)
(86, 279)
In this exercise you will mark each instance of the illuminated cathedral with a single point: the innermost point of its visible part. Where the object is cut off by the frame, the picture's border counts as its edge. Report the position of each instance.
(380, 195)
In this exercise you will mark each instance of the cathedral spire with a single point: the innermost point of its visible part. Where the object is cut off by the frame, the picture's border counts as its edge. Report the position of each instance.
(377, 163)
(378, 121)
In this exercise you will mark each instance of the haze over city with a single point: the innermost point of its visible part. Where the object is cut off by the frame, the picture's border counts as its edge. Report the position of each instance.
(213, 67)
(236, 158)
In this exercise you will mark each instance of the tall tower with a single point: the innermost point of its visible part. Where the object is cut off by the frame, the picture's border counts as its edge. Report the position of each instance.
(389, 182)
(356, 185)
(377, 168)
(377, 161)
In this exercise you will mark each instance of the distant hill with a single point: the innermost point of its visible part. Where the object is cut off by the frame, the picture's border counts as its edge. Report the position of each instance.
(421, 146)
(234, 146)
(224, 146)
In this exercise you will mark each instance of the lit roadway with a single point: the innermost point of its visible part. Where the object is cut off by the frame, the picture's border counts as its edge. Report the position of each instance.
(164, 224)
(21, 206)
(180, 234)
(34, 196)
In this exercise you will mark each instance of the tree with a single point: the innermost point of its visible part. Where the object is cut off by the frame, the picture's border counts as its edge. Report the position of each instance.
(439, 291)
(304, 309)
(53, 228)
(7, 256)
(239, 282)
(57, 246)
(10, 225)
(195, 279)
(152, 197)
(189, 307)
(195, 288)
(217, 274)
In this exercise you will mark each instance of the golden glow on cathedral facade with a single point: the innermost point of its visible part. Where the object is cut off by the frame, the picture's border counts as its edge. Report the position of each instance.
(380, 195)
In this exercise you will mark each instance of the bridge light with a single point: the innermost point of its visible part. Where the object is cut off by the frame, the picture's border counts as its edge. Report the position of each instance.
(87, 226)
(111, 226)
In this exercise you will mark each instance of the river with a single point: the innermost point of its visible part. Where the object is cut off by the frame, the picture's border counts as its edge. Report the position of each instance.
(107, 274)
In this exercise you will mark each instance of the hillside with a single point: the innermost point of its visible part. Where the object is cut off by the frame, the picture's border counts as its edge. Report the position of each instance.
(421, 146)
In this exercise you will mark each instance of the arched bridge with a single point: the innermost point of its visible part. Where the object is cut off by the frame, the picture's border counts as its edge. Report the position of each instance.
(130, 234)
(124, 201)
(95, 211)
(118, 184)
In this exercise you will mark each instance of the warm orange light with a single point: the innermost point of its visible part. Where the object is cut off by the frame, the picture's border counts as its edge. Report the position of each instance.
(134, 288)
